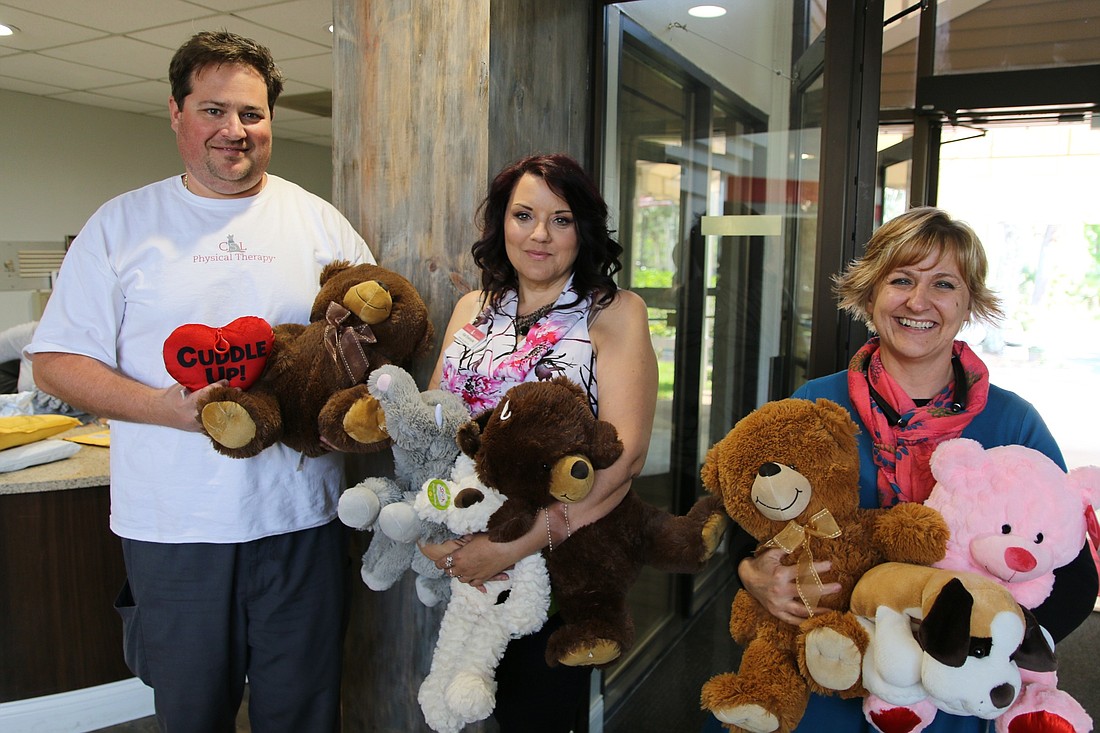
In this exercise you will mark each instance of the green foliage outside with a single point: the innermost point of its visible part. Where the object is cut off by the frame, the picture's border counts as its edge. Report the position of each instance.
(1088, 289)
(665, 378)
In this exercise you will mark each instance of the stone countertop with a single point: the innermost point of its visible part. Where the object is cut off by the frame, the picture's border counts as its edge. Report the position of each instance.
(89, 466)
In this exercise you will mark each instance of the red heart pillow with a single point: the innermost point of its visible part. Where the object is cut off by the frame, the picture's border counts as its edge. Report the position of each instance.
(197, 355)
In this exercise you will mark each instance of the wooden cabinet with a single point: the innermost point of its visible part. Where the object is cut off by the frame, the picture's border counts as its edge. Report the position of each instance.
(60, 570)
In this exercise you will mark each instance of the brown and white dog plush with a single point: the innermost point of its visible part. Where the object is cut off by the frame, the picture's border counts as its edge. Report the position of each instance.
(942, 640)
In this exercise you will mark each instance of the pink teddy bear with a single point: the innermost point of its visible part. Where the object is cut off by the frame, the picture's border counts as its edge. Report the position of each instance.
(1015, 517)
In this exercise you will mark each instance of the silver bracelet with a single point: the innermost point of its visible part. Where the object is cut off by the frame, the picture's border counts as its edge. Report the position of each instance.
(549, 537)
(568, 531)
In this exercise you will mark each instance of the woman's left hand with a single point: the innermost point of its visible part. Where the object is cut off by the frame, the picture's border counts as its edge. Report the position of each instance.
(473, 559)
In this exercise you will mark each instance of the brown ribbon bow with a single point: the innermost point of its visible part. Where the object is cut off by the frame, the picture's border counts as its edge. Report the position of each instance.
(795, 536)
(345, 343)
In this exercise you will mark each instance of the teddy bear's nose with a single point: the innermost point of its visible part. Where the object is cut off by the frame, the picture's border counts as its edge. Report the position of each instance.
(769, 469)
(579, 470)
(468, 497)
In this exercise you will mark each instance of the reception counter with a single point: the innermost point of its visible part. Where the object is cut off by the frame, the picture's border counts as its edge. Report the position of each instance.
(60, 570)
(90, 466)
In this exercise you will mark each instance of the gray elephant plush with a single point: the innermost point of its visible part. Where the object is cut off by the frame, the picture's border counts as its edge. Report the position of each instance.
(422, 427)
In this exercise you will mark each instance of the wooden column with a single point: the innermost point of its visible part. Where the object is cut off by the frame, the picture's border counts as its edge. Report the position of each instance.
(430, 99)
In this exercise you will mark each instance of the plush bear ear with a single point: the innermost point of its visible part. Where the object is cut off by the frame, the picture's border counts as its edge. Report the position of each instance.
(606, 447)
(1086, 480)
(426, 340)
(954, 459)
(837, 421)
(709, 472)
(469, 435)
(333, 268)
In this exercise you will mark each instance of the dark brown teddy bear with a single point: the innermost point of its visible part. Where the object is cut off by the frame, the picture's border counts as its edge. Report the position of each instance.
(313, 395)
(788, 473)
(542, 444)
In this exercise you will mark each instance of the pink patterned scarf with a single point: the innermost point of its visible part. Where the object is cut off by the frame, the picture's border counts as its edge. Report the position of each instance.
(903, 441)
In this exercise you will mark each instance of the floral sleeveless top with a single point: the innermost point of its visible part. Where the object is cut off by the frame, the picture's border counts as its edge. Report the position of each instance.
(488, 356)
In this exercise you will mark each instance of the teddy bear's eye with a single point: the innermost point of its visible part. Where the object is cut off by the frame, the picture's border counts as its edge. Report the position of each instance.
(546, 467)
(506, 410)
(1039, 538)
(1006, 529)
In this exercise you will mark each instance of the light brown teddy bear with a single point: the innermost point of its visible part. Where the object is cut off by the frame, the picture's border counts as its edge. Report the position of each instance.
(788, 473)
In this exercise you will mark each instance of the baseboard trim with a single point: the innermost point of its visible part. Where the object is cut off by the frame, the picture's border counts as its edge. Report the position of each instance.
(80, 710)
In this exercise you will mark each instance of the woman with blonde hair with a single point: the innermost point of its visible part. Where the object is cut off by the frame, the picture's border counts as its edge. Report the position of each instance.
(912, 386)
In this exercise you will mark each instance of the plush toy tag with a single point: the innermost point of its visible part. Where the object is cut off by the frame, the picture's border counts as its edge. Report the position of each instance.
(439, 494)
(197, 355)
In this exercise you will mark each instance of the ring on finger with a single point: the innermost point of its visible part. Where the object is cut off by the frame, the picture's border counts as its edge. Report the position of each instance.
(450, 572)
(449, 562)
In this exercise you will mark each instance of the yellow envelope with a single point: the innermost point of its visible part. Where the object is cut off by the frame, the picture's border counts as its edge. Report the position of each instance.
(99, 437)
(23, 429)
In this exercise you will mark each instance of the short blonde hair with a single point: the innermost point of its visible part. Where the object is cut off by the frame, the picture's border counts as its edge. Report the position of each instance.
(906, 240)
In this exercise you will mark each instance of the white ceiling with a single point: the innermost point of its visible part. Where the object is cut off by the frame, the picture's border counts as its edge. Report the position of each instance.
(115, 53)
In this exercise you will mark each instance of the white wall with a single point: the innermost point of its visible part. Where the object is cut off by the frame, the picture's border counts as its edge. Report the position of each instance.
(60, 161)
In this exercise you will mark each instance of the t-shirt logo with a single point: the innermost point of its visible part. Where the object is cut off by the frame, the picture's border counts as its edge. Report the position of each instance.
(230, 246)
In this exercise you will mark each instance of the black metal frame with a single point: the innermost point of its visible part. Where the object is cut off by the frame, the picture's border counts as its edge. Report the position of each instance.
(853, 62)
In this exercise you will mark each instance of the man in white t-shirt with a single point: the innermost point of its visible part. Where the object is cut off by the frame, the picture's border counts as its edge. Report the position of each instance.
(235, 567)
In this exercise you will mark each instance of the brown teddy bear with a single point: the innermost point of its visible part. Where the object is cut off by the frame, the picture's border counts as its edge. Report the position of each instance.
(542, 444)
(312, 395)
(788, 473)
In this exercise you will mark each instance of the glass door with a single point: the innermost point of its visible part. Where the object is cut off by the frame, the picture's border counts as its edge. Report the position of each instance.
(1029, 192)
(715, 201)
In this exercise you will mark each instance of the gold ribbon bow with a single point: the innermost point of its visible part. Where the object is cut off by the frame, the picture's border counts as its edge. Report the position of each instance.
(345, 343)
(795, 536)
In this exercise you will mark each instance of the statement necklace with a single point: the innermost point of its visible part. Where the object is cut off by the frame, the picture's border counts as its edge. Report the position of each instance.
(523, 323)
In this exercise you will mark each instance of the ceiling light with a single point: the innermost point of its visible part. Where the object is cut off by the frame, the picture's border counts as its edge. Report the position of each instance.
(707, 11)
(8, 30)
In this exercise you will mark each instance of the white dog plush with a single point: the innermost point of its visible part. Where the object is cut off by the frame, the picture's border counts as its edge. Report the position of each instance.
(476, 627)
(971, 640)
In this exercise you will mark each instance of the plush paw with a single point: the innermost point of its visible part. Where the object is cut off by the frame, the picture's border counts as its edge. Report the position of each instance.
(432, 591)
(228, 423)
(601, 651)
(752, 718)
(375, 581)
(370, 301)
(889, 718)
(1044, 709)
(713, 531)
(365, 421)
(833, 660)
(358, 508)
(399, 522)
(471, 695)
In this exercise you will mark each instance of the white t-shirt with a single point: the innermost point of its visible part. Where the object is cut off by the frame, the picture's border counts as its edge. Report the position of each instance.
(159, 257)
